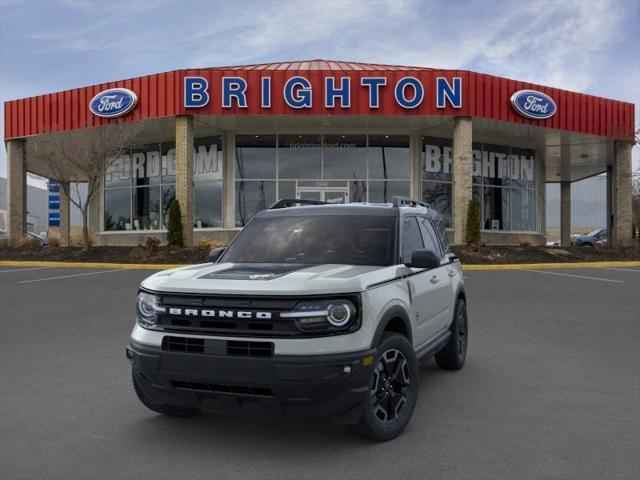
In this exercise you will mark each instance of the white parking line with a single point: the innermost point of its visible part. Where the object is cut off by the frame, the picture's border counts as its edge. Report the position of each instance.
(24, 269)
(637, 270)
(577, 276)
(69, 276)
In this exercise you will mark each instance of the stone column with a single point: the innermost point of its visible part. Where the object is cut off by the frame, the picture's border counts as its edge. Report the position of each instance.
(621, 184)
(184, 174)
(415, 147)
(462, 175)
(228, 180)
(565, 213)
(65, 218)
(16, 191)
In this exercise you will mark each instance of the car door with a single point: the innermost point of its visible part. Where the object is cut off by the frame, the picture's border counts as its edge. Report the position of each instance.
(426, 287)
(443, 295)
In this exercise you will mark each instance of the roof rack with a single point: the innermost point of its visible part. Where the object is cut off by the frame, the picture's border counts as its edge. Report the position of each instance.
(291, 202)
(398, 201)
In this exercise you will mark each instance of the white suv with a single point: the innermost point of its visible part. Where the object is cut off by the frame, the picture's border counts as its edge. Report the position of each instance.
(312, 309)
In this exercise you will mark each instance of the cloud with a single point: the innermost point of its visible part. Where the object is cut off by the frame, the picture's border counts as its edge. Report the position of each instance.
(583, 45)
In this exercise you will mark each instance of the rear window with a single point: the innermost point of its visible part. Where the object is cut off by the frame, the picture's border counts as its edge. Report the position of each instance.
(342, 239)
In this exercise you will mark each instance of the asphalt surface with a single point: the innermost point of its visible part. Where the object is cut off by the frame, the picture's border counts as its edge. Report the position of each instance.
(551, 390)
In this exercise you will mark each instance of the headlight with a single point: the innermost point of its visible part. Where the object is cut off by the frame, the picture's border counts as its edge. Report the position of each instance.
(148, 307)
(323, 316)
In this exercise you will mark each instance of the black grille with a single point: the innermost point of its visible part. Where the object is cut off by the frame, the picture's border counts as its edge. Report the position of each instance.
(250, 349)
(217, 347)
(183, 344)
(230, 389)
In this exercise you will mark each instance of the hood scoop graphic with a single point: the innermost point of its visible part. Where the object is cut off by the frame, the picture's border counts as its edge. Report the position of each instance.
(254, 271)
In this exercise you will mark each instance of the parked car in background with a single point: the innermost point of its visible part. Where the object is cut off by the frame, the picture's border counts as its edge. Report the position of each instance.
(590, 239)
(41, 239)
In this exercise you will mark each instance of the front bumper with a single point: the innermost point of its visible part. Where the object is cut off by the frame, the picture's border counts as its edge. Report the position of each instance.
(326, 385)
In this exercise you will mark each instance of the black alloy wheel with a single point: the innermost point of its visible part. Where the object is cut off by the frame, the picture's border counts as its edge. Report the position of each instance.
(390, 389)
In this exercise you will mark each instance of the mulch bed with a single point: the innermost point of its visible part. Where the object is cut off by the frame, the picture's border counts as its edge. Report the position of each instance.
(512, 254)
(481, 256)
(107, 254)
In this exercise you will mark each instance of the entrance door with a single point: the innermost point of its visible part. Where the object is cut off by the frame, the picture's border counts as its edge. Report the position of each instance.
(324, 194)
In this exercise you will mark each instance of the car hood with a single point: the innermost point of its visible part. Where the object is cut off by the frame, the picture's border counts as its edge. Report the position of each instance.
(270, 279)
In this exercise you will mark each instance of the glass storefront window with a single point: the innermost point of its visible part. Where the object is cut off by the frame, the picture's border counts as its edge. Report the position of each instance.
(522, 164)
(381, 191)
(256, 156)
(251, 197)
(118, 174)
(299, 156)
(117, 204)
(146, 208)
(522, 209)
(496, 171)
(345, 157)
(438, 196)
(168, 162)
(146, 165)
(496, 208)
(168, 194)
(437, 162)
(389, 157)
(152, 168)
(208, 202)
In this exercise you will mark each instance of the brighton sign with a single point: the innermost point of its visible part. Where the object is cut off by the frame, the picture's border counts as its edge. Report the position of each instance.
(533, 104)
(113, 103)
(408, 92)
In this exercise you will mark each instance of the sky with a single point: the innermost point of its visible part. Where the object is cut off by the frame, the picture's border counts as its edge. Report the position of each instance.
(581, 45)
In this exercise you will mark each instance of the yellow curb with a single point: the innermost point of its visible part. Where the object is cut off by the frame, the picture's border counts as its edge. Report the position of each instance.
(550, 266)
(165, 266)
(131, 266)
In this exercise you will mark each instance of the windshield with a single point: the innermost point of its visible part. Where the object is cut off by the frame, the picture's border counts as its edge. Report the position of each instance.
(594, 233)
(344, 239)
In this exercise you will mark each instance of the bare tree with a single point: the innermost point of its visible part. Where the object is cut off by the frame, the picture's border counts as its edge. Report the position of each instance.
(82, 156)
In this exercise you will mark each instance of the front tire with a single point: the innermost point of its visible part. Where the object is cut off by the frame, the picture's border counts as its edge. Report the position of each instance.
(454, 353)
(169, 410)
(393, 390)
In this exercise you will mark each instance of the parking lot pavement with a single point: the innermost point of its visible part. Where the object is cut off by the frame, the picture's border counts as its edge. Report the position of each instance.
(551, 390)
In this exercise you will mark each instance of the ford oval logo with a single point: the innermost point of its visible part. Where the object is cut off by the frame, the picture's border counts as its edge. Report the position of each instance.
(533, 104)
(114, 102)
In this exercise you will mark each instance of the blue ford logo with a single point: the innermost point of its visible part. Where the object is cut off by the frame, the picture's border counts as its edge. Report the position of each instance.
(114, 102)
(533, 104)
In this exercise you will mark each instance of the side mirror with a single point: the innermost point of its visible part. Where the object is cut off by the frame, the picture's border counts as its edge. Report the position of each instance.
(215, 254)
(424, 259)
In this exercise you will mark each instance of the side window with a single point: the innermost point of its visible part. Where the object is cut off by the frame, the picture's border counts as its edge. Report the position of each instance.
(441, 232)
(411, 238)
(430, 237)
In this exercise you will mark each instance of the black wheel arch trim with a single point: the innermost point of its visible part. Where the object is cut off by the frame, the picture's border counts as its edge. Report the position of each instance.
(392, 313)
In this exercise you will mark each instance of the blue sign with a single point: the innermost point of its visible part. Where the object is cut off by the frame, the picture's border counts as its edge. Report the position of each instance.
(54, 187)
(533, 104)
(54, 203)
(114, 102)
(54, 219)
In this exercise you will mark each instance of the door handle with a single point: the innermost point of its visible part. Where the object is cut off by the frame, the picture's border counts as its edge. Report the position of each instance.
(452, 273)
(435, 279)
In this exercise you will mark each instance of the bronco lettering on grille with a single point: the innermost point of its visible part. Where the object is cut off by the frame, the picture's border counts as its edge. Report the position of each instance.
(212, 313)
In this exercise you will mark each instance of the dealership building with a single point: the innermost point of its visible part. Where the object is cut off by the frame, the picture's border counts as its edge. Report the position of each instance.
(229, 141)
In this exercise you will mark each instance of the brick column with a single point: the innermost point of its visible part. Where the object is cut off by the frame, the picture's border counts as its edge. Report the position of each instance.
(65, 218)
(621, 184)
(184, 174)
(565, 213)
(228, 181)
(462, 175)
(16, 191)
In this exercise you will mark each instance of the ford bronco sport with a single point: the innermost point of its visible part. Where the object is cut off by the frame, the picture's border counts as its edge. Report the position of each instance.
(317, 309)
